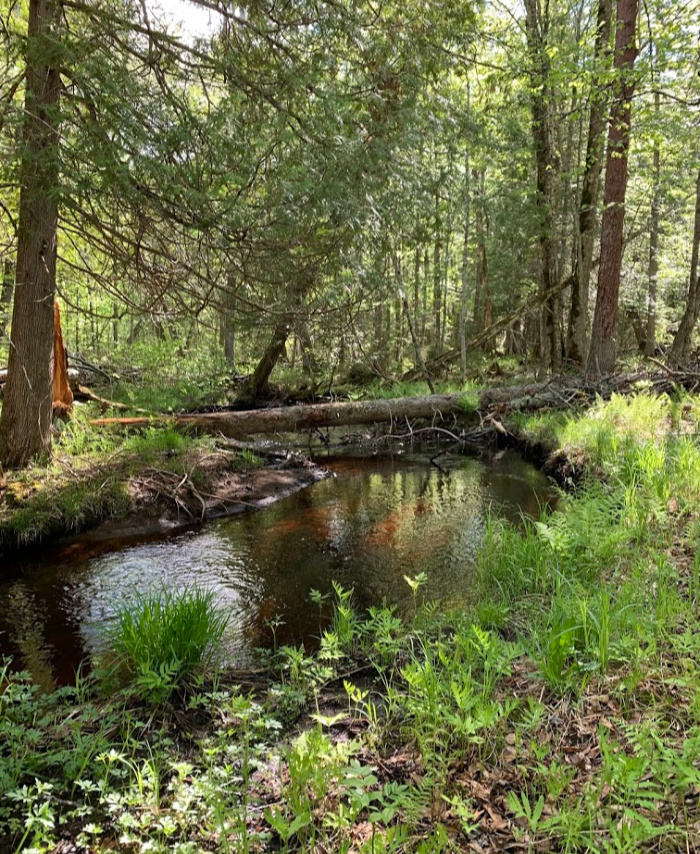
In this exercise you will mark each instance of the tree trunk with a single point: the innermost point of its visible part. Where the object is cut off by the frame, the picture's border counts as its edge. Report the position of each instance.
(291, 418)
(681, 342)
(62, 396)
(420, 362)
(588, 205)
(601, 358)
(8, 284)
(650, 345)
(257, 385)
(482, 271)
(537, 30)
(437, 274)
(25, 426)
(465, 261)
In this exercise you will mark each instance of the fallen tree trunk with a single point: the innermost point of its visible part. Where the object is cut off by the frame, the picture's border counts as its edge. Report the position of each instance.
(493, 403)
(288, 419)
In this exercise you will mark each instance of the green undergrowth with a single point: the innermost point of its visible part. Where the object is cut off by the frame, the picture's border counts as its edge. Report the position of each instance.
(559, 712)
(601, 435)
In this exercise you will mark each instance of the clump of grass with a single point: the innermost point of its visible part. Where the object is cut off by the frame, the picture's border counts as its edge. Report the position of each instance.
(161, 642)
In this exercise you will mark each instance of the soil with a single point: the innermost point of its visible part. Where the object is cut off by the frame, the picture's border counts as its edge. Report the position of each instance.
(167, 494)
(164, 501)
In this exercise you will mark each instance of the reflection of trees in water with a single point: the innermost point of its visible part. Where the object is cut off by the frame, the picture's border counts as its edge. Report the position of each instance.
(365, 529)
(25, 622)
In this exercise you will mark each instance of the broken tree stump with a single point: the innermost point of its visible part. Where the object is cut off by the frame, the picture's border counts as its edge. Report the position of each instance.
(62, 394)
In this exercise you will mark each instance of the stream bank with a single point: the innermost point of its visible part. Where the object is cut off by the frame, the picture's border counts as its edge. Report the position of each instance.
(558, 712)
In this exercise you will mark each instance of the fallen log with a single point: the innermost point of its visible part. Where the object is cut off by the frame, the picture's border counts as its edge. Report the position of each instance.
(83, 393)
(289, 419)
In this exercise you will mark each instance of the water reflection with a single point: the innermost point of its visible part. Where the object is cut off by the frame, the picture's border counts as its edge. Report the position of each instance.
(379, 519)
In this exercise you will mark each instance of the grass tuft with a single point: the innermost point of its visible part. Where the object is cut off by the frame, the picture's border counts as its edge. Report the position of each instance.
(162, 641)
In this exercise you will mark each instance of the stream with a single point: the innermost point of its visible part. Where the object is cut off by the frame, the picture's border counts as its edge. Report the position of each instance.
(381, 517)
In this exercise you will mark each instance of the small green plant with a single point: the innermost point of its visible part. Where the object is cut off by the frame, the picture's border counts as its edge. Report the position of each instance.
(160, 642)
(415, 584)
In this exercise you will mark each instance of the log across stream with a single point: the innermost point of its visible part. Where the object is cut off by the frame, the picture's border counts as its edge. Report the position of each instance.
(383, 516)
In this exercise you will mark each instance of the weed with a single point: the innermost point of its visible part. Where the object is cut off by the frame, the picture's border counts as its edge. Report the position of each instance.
(161, 641)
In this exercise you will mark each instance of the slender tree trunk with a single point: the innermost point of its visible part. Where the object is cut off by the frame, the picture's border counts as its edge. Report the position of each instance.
(229, 326)
(437, 273)
(465, 262)
(256, 386)
(650, 343)
(416, 280)
(8, 284)
(681, 342)
(537, 30)
(420, 362)
(481, 283)
(25, 425)
(601, 358)
(588, 205)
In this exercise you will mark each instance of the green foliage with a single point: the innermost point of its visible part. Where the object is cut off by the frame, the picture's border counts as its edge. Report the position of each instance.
(566, 699)
(161, 642)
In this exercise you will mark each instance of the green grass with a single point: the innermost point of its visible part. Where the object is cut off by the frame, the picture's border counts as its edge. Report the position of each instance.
(160, 642)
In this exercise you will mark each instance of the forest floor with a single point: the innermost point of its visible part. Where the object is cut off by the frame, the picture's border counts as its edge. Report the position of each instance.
(560, 712)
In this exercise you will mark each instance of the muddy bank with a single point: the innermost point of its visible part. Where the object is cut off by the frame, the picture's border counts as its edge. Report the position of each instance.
(124, 499)
(565, 469)
(163, 503)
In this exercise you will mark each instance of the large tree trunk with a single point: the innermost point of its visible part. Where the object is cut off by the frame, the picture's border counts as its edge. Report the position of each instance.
(601, 358)
(25, 426)
(588, 205)
(537, 30)
(681, 342)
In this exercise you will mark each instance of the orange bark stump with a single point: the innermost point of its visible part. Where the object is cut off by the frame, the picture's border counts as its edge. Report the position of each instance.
(62, 394)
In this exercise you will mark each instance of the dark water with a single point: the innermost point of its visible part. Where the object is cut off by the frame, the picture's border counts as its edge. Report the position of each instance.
(379, 518)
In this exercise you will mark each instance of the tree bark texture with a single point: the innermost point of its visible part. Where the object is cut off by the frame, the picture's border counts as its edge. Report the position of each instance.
(537, 31)
(682, 339)
(588, 204)
(291, 418)
(62, 397)
(650, 337)
(25, 426)
(601, 358)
